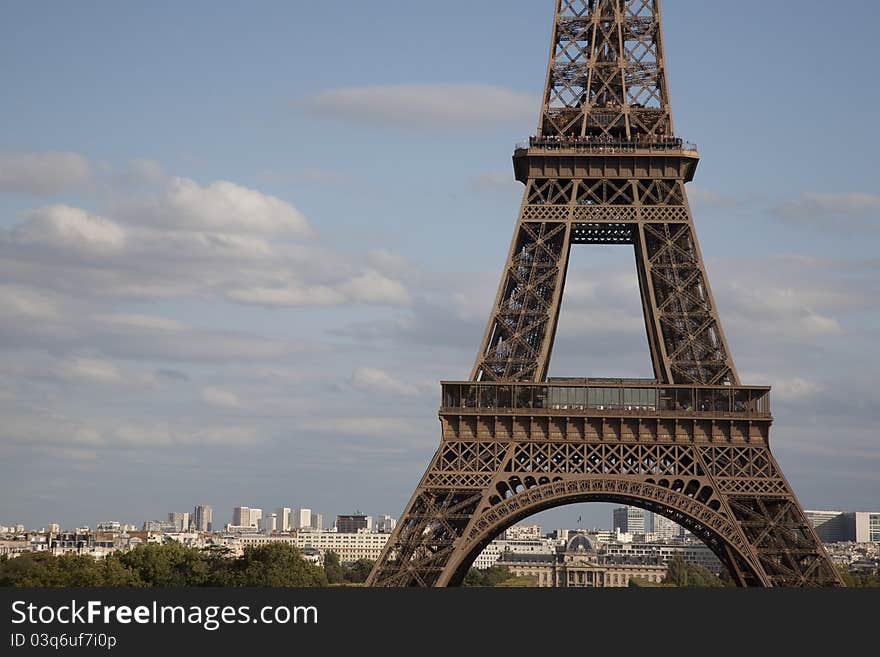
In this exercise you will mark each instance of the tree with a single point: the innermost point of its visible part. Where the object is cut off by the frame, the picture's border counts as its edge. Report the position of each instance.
(41, 569)
(359, 571)
(494, 576)
(474, 578)
(169, 565)
(116, 575)
(333, 569)
(853, 580)
(682, 573)
(676, 572)
(274, 565)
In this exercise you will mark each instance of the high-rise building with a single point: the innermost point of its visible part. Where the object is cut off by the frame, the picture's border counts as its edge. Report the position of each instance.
(283, 521)
(385, 524)
(664, 528)
(629, 519)
(54, 528)
(317, 521)
(180, 520)
(353, 523)
(841, 526)
(241, 516)
(867, 525)
(303, 519)
(523, 532)
(270, 523)
(832, 526)
(255, 516)
(203, 518)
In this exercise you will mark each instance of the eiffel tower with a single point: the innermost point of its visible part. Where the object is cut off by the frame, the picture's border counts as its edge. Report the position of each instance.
(692, 444)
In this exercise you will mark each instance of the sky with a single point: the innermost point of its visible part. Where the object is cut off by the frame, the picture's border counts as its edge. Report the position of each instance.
(242, 243)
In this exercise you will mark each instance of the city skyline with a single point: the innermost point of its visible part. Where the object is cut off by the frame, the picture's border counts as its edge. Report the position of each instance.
(134, 360)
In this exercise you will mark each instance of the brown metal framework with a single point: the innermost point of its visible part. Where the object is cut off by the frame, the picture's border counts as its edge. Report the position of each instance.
(693, 444)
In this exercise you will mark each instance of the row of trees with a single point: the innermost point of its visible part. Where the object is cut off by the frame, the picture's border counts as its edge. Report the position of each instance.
(173, 565)
(681, 573)
(852, 580)
(496, 576)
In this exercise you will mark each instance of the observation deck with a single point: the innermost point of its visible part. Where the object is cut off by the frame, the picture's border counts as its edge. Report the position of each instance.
(605, 409)
(569, 156)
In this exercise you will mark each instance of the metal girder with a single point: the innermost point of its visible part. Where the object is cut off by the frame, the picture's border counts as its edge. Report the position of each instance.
(606, 168)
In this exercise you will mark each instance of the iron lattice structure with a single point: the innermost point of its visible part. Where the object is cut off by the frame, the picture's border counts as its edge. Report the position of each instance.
(692, 444)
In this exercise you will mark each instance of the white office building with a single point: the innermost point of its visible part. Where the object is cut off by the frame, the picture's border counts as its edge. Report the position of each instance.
(664, 528)
(317, 521)
(867, 527)
(180, 520)
(283, 519)
(349, 547)
(629, 519)
(385, 524)
(203, 518)
(241, 516)
(303, 519)
(694, 552)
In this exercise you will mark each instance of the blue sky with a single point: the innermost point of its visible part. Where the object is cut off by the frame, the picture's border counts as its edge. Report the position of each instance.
(241, 244)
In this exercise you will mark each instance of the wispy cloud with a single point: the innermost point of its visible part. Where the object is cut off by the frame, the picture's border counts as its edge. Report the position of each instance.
(707, 198)
(44, 173)
(860, 209)
(495, 181)
(453, 104)
(377, 381)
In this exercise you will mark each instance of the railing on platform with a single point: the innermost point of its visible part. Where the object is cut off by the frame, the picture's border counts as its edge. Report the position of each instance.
(592, 144)
(660, 399)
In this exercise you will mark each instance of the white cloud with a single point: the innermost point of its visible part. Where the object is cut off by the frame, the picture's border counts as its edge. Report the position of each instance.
(221, 207)
(786, 388)
(151, 436)
(80, 254)
(291, 295)
(220, 398)
(373, 287)
(161, 339)
(91, 369)
(461, 105)
(391, 428)
(143, 436)
(796, 389)
(394, 265)
(702, 197)
(23, 303)
(42, 174)
(813, 205)
(378, 381)
(369, 287)
(222, 437)
(778, 307)
(144, 322)
(66, 227)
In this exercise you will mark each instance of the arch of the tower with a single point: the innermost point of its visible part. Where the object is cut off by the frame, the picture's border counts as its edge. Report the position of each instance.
(682, 500)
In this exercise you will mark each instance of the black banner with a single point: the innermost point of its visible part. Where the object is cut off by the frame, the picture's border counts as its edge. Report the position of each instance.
(460, 621)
